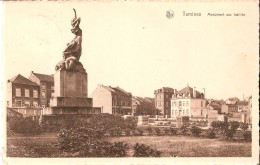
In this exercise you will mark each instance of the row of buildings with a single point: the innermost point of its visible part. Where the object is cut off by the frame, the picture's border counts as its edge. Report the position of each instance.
(37, 90)
(34, 91)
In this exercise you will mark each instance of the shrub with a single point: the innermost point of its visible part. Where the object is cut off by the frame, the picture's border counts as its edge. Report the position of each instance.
(117, 149)
(183, 130)
(158, 131)
(247, 136)
(243, 126)
(230, 129)
(108, 121)
(24, 125)
(173, 131)
(141, 150)
(196, 131)
(166, 131)
(140, 132)
(85, 141)
(211, 134)
(127, 132)
(149, 130)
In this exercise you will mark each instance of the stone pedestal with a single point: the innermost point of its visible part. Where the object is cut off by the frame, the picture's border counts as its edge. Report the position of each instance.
(70, 94)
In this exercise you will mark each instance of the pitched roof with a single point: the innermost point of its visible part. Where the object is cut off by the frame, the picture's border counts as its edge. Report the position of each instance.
(149, 99)
(242, 103)
(216, 107)
(120, 91)
(19, 79)
(44, 77)
(115, 90)
(187, 89)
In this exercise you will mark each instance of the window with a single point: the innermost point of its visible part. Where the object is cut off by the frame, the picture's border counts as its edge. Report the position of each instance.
(35, 103)
(176, 112)
(180, 103)
(52, 87)
(26, 93)
(18, 103)
(43, 86)
(183, 104)
(187, 112)
(18, 92)
(175, 103)
(201, 103)
(167, 104)
(187, 103)
(43, 95)
(35, 93)
(201, 112)
(27, 103)
(166, 96)
(183, 112)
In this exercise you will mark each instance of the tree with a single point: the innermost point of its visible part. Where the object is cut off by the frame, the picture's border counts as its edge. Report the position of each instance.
(196, 131)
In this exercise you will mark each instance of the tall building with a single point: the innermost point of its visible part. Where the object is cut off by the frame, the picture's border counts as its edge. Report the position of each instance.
(189, 102)
(163, 100)
(112, 100)
(46, 83)
(21, 92)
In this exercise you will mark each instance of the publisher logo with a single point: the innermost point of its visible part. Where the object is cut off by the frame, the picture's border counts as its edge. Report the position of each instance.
(169, 14)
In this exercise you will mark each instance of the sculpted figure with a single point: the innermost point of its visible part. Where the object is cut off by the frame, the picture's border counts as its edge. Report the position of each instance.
(72, 52)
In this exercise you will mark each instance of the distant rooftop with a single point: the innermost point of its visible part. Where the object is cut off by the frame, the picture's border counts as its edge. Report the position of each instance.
(117, 90)
(44, 77)
(19, 79)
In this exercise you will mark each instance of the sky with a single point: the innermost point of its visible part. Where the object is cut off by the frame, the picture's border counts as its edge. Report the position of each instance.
(136, 47)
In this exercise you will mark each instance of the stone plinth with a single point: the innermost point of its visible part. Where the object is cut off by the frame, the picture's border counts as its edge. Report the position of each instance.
(70, 94)
(70, 84)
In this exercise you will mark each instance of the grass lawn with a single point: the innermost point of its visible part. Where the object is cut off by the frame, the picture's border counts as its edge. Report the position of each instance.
(187, 146)
(182, 146)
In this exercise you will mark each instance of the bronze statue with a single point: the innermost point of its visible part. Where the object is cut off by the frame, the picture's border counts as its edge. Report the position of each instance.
(72, 52)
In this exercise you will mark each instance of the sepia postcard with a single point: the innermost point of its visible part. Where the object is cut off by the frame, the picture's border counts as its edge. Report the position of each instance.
(130, 82)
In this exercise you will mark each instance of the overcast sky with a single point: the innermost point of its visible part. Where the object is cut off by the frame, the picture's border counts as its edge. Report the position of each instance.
(134, 46)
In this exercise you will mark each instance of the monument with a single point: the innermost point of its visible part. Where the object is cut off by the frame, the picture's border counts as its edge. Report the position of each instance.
(70, 80)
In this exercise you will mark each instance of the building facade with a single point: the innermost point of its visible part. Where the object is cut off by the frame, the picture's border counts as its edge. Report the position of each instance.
(21, 92)
(46, 84)
(112, 100)
(162, 100)
(229, 109)
(189, 102)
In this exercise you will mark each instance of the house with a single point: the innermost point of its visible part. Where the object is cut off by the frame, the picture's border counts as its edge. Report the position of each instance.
(232, 100)
(112, 100)
(214, 105)
(162, 100)
(229, 109)
(46, 84)
(189, 102)
(243, 106)
(143, 106)
(22, 92)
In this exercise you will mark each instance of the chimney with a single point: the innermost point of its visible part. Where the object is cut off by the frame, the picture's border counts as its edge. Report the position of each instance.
(204, 92)
(194, 92)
